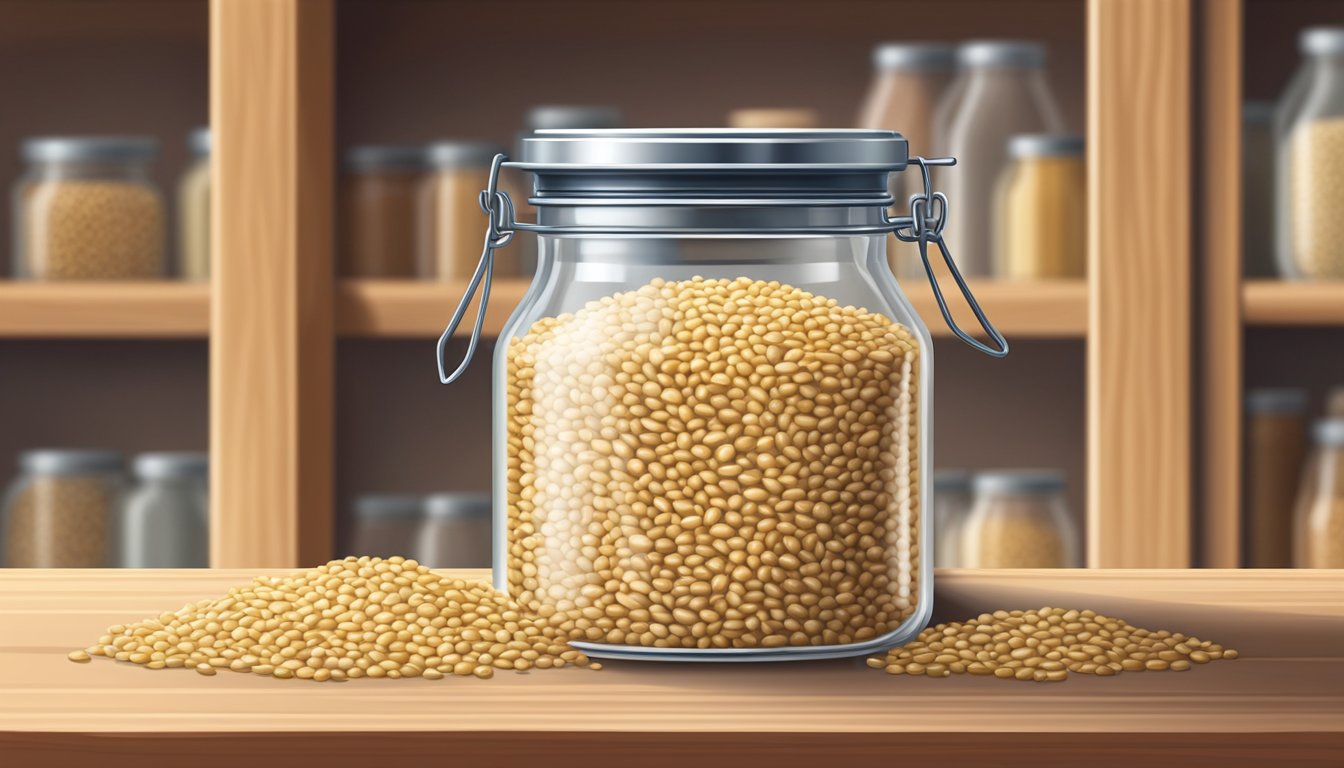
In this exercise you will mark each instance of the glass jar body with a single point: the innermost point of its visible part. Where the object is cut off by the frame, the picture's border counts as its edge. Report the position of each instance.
(1309, 151)
(715, 445)
(77, 220)
(1040, 219)
(448, 243)
(61, 519)
(1020, 530)
(1319, 518)
(194, 228)
(164, 524)
(379, 226)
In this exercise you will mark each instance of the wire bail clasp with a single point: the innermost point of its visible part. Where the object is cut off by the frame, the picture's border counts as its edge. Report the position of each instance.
(928, 216)
(498, 209)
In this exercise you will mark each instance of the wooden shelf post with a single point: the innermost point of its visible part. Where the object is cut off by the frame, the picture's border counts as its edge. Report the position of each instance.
(272, 342)
(1139, 259)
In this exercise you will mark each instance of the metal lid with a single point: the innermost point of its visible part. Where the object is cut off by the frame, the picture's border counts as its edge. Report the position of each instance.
(717, 149)
(1045, 145)
(455, 506)
(57, 461)
(386, 157)
(915, 56)
(1258, 112)
(952, 481)
(57, 149)
(387, 507)
(1276, 400)
(1025, 481)
(462, 154)
(1329, 432)
(1321, 41)
(170, 465)
(198, 141)
(1002, 54)
(551, 116)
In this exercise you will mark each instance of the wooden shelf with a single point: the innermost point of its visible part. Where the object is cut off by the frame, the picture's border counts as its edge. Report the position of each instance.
(104, 310)
(1279, 302)
(1281, 702)
(381, 308)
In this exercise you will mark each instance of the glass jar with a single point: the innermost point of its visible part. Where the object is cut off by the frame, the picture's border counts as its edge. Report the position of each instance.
(1318, 531)
(379, 223)
(449, 213)
(908, 81)
(386, 525)
(1040, 218)
(1000, 92)
(1019, 520)
(193, 201)
(711, 409)
(951, 506)
(1276, 446)
(1309, 151)
(85, 209)
(456, 531)
(60, 511)
(165, 522)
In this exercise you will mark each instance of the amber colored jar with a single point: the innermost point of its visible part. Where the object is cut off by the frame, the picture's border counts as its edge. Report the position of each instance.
(193, 203)
(1040, 219)
(450, 214)
(378, 221)
(1319, 518)
(1276, 445)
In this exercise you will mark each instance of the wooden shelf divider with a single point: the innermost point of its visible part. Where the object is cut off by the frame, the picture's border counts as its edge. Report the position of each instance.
(1282, 302)
(135, 310)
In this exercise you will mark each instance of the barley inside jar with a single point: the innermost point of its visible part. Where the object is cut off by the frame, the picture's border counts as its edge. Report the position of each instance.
(712, 408)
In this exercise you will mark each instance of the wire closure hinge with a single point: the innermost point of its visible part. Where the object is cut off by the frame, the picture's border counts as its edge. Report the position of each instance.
(924, 225)
(498, 209)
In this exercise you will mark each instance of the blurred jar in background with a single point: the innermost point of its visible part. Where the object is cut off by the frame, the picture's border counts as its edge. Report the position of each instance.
(800, 118)
(193, 205)
(378, 210)
(60, 512)
(1334, 402)
(908, 81)
(456, 531)
(1257, 189)
(386, 526)
(1019, 520)
(1319, 519)
(951, 505)
(1276, 445)
(451, 223)
(165, 523)
(1040, 219)
(1000, 92)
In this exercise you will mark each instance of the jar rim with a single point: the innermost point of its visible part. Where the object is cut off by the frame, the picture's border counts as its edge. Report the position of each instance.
(57, 149)
(170, 465)
(1032, 481)
(921, 56)
(452, 506)
(69, 461)
(387, 507)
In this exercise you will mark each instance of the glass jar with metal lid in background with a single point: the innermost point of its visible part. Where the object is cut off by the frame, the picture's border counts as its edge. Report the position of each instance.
(1309, 151)
(1040, 215)
(951, 506)
(712, 408)
(1019, 520)
(456, 531)
(60, 511)
(379, 213)
(193, 203)
(165, 522)
(85, 209)
(385, 525)
(449, 239)
(1318, 531)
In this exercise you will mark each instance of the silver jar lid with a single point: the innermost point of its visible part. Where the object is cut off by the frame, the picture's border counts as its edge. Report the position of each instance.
(89, 149)
(387, 507)
(552, 116)
(386, 157)
(923, 57)
(165, 465)
(1276, 400)
(1257, 112)
(57, 461)
(952, 481)
(1019, 481)
(199, 141)
(1329, 432)
(457, 506)
(463, 154)
(1045, 145)
(1001, 54)
(1321, 41)
(716, 149)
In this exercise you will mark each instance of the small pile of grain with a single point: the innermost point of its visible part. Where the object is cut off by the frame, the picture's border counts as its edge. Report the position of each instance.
(352, 618)
(1045, 645)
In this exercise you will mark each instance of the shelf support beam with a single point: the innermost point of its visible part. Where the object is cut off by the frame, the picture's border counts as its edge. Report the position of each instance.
(272, 342)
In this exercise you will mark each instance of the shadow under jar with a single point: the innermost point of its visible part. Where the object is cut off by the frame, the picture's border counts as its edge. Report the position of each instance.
(712, 408)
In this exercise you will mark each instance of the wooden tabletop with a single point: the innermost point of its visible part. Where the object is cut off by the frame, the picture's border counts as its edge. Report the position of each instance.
(1281, 703)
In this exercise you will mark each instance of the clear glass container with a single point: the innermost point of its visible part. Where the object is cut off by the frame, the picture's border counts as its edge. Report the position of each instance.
(449, 214)
(85, 209)
(1309, 152)
(1040, 217)
(193, 203)
(1318, 531)
(386, 525)
(456, 531)
(1020, 520)
(951, 506)
(60, 511)
(1276, 447)
(712, 408)
(165, 522)
(1001, 91)
(379, 210)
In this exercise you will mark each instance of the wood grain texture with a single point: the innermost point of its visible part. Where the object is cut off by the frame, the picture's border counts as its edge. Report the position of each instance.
(272, 351)
(1220, 381)
(165, 310)
(1282, 701)
(1139, 347)
(1283, 303)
